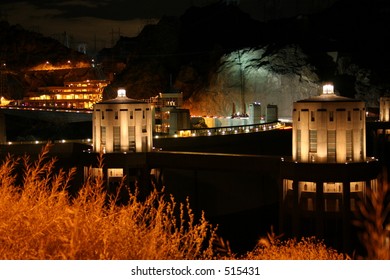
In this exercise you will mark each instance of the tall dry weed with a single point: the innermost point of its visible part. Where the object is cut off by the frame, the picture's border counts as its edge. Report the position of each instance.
(272, 247)
(39, 220)
(373, 219)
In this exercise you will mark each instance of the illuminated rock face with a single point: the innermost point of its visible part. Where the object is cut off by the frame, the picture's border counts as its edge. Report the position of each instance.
(329, 128)
(384, 109)
(248, 76)
(122, 125)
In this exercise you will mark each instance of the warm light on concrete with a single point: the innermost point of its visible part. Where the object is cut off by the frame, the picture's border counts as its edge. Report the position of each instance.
(329, 128)
(72, 95)
(121, 93)
(329, 171)
(328, 89)
(384, 109)
(122, 125)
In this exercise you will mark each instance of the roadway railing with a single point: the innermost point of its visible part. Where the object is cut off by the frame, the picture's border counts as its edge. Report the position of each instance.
(227, 130)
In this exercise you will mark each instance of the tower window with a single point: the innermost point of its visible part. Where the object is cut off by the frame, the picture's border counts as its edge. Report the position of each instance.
(313, 141)
(331, 145)
(298, 144)
(103, 135)
(116, 115)
(131, 136)
(349, 116)
(362, 135)
(331, 116)
(116, 138)
(312, 116)
(131, 115)
(349, 146)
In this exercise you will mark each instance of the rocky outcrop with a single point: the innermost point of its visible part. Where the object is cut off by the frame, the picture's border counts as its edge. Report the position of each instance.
(218, 56)
(257, 75)
(281, 60)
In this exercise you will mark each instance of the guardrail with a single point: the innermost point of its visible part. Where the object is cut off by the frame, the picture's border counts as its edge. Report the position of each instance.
(226, 130)
(62, 141)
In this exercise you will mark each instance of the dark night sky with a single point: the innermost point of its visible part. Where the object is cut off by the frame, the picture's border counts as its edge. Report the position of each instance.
(101, 21)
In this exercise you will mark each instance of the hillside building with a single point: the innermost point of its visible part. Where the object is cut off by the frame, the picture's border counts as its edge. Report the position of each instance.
(72, 95)
(169, 116)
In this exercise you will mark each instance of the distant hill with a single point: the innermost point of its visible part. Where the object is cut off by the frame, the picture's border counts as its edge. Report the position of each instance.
(218, 55)
(24, 52)
(22, 49)
(285, 59)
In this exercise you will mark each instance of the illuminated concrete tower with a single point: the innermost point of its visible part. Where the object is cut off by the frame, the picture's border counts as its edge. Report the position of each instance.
(122, 125)
(384, 109)
(255, 113)
(329, 128)
(328, 172)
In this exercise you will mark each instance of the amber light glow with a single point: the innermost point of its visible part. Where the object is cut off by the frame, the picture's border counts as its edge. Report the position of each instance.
(47, 224)
(328, 89)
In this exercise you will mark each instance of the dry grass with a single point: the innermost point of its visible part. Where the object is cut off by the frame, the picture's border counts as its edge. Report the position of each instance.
(39, 220)
(307, 248)
(373, 219)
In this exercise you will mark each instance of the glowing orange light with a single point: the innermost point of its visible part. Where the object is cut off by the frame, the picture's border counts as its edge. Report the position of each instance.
(328, 89)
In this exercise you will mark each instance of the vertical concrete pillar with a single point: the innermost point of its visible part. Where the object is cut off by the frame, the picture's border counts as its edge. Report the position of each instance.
(320, 209)
(346, 215)
(282, 210)
(295, 211)
(3, 135)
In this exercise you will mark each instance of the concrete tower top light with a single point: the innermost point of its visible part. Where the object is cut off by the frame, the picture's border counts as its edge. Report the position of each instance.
(121, 93)
(328, 89)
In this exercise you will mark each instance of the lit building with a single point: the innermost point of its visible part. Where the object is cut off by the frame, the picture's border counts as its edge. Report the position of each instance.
(380, 131)
(329, 171)
(169, 117)
(179, 119)
(122, 125)
(384, 109)
(271, 114)
(73, 95)
(256, 116)
(255, 113)
(329, 128)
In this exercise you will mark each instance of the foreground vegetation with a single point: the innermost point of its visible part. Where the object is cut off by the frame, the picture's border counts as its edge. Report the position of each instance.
(40, 220)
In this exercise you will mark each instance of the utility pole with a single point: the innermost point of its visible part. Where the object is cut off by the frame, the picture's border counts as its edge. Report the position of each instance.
(3, 79)
(242, 84)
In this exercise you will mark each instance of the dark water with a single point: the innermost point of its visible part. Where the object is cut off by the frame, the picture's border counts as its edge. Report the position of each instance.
(241, 229)
(25, 129)
(244, 229)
